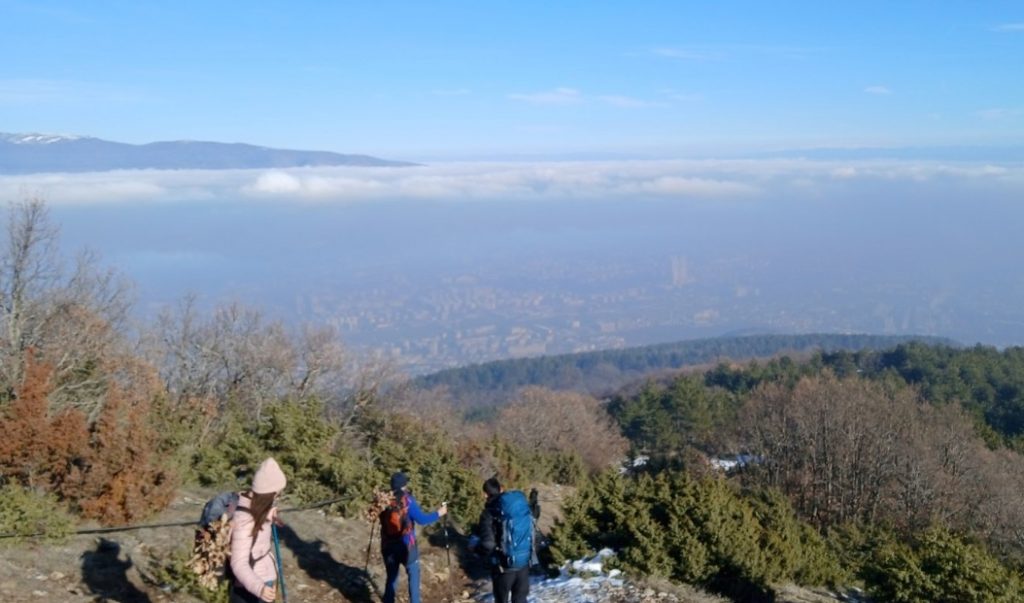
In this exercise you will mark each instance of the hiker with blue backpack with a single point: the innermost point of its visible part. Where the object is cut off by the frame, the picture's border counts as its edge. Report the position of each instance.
(398, 537)
(505, 540)
(255, 565)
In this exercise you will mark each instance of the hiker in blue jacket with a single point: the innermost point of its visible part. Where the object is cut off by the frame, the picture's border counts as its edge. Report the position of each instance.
(398, 537)
(510, 571)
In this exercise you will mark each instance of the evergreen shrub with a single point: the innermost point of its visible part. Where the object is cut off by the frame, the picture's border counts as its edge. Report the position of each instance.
(939, 566)
(24, 512)
(429, 456)
(701, 532)
(319, 464)
(173, 574)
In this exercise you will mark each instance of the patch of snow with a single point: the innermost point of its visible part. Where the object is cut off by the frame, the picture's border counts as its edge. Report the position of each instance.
(740, 460)
(36, 138)
(593, 564)
(634, 463)
(571, 587)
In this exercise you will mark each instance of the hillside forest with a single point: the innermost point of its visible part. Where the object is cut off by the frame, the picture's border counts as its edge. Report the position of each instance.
(892, 468)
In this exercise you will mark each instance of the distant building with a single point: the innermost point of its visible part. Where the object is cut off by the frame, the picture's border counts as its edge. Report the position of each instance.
(680, 272)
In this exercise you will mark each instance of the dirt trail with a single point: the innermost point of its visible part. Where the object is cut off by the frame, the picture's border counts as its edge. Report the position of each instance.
(323, 557)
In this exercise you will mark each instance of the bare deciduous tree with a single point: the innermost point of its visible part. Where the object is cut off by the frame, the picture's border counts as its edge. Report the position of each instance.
(237, 356)
(541, 419)
(865, 451)
(433, 406)
(73, 319)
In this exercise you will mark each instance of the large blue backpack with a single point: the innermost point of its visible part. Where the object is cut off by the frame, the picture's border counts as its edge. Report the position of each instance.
(516, 530)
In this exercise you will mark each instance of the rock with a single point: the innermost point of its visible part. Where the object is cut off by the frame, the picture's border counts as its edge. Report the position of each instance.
(56, 576)
(40, 593)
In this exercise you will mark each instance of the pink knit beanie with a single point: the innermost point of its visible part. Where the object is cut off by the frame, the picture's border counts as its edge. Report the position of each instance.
(269, 478)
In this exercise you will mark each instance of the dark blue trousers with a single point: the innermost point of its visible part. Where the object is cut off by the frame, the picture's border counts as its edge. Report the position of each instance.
(394, 558)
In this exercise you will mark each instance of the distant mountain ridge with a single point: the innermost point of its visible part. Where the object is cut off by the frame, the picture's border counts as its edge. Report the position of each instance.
(34, 153)
(606, 370)
(996, 153)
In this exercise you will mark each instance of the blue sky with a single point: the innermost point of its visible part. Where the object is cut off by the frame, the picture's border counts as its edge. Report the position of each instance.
(423, 80)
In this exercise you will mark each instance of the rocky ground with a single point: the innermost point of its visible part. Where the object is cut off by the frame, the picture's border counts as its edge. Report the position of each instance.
(325, 561)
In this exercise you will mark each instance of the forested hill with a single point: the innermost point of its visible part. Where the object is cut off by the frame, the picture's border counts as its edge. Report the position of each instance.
(605, 370)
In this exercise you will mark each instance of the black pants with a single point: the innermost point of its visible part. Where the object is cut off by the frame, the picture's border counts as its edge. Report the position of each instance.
(514, 582)
(240, 595)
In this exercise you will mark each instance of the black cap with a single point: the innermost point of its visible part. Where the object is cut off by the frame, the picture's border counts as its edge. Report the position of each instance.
(398, 481)
(492, 487)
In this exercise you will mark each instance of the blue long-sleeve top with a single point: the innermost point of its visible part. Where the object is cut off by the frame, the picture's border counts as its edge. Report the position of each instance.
(417, 516)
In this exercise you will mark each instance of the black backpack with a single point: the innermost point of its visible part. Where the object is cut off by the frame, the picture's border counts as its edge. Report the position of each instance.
(223, 504)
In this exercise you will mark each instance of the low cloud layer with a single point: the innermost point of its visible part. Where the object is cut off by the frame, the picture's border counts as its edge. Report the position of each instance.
(682, 180)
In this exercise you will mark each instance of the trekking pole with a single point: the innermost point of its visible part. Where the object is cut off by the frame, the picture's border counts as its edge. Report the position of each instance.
(535, 530)
(277, 554)
(448, 554)
(369, 544)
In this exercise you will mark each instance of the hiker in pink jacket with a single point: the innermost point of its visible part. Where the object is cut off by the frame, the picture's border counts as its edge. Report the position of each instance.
(252, 551)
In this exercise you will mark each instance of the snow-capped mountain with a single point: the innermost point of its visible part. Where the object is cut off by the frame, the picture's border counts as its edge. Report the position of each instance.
(36, 138)
(31, 153)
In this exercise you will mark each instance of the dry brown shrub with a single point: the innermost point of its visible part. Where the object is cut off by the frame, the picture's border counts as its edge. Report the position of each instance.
(125, 480)
(40, 450)
(545, 420)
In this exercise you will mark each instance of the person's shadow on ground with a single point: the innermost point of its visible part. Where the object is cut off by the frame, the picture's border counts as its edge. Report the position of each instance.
(107, 576)
(471, 564)
(353, 583)
(477, 568)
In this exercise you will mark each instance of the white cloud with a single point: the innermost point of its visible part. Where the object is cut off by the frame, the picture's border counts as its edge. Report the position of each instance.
(87, 189)
(687, 54)
(628, 102)
(451, 92)
(877, 89)
(686, 97)
(274, 183)
(721, 52)
(676, 186)
(994, 170)
(558, 96)
(1009, 27)
(678, 180)
(998, 113)
(572, 96)
(35, 91)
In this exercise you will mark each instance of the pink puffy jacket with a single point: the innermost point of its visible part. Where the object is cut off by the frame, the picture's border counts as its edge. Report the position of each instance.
(252, 562)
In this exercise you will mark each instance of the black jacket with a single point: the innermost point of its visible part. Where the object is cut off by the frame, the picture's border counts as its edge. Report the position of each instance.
(489, 529)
